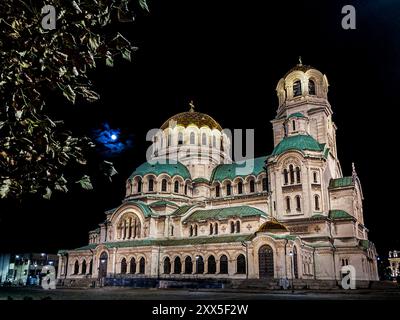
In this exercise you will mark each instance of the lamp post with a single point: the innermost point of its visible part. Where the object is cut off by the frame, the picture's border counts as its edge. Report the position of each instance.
(291, 267)
(244, 244)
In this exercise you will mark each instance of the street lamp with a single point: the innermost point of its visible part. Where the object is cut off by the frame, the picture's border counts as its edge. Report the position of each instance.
(291, 267)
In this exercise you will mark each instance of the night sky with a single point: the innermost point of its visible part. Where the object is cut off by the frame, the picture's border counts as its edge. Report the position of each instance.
(228, 56)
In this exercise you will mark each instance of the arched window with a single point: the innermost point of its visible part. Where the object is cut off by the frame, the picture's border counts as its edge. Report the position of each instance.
(223, 264)
(172, 231)
(139, 186)
(191, 231)
(316, 202)
(296, 88)
(287, 204)
(188, 265)
(176, 186)
(232, 227)
(180, 138)
(199, 265)
(186, 189)
(203, 139)
(252, 186)
(285, 176)
(217, 191)
(151, 185)
(132, 268)
(214, 141)
(241, 264)
(164, 185)
(142, 265)
(212, 266)
(298, 203)
(311, 87)
(216, 228)
(298, 176)
(177, 265)
(264, 184)
(123, 266)
(83, 267)
(228, 189)
(90, 266)
(315, 177)
(294, 125)
(167, 266)
(192, 138)
(240, 187)
(291, 174)
(237, 226)
(195, 230)
(211, 228)
(76, 267)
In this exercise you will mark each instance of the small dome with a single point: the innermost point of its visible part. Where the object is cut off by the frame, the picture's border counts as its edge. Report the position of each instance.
(299, 67)
(298, 142)
(272, 226)
(172, 169)
(192, 117)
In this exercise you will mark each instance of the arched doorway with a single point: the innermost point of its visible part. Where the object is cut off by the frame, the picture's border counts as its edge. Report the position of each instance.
(103, 265)
(266, 262)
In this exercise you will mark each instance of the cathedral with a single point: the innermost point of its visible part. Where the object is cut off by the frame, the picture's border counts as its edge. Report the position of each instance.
(190, 211)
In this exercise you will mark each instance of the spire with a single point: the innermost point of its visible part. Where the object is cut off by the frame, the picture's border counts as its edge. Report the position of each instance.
(300, 61)
(353, 173)
(191, 104)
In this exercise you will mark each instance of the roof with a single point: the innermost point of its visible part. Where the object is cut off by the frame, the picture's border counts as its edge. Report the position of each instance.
(161, 203)
(229, 171)
(296, 115)
(172, 169)
(340, 214)
(299, 67)
(297, 142)
(144, 207)
(182, 210)
(200, 180)
(341, 182)
(224, 213)
(192, 118)
(272, 226)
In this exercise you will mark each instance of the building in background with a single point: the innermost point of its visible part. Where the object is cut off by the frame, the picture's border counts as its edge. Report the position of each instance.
(25, 268)
(394, 264)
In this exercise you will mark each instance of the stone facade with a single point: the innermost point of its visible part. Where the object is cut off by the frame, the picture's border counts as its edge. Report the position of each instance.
(192, 212)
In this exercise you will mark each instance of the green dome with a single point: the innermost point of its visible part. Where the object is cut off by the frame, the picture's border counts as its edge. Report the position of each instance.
(297, 142)
(172, 169)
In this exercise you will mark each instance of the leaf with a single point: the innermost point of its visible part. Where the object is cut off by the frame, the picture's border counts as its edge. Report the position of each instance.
(69, 93)
(85, 183)
(109, 60)
(126, 54)
(5, 187)
(143, 5)
(47, 196)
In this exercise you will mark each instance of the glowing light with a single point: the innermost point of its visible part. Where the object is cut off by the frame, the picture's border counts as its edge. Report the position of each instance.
(114, 137)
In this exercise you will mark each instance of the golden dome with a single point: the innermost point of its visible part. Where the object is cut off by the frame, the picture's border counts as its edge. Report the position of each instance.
(192, 117)
(272, 226)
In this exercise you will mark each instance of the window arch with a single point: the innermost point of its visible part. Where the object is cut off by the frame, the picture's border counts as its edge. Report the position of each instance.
(264, 184)
(291, 174)
(132, 266)
(217, 191)
(316, 202)
(315, 177)
(139, 185)
(164, 185)
(212, 266)
(199, 265)
(211, 229)
(180, 138)
(311, 87)
(298, 203)
(76, 267)
(228, 189)
(142, 265)
(128, 227)
(123, 266)
(91, 266)
(83, 267)
(237, 226)
(232, 227)
(216, 228)
(297, 88)
(252, 186)
(204, 139)
(151, 185)
(177, 265)
(186, 189)
(240, 187)
(298, 175)
(287, 204)
(176, 187)
(285, 176)
(188, 265)
(167, 266)
(191, 231)
(241, 264)
(223, 264)
(192, 138)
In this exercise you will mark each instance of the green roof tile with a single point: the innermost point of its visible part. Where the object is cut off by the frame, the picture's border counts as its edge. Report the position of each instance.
(162, 203)
(200, 180)
(172, 169)
(229, 171)
(297, 142)
(341, 182)
(340, 214)
(296, 115)
(224, 213)
(182, 210)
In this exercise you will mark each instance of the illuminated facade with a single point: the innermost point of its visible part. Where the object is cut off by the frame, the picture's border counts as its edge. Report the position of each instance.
(197, 213)
(394, 264)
